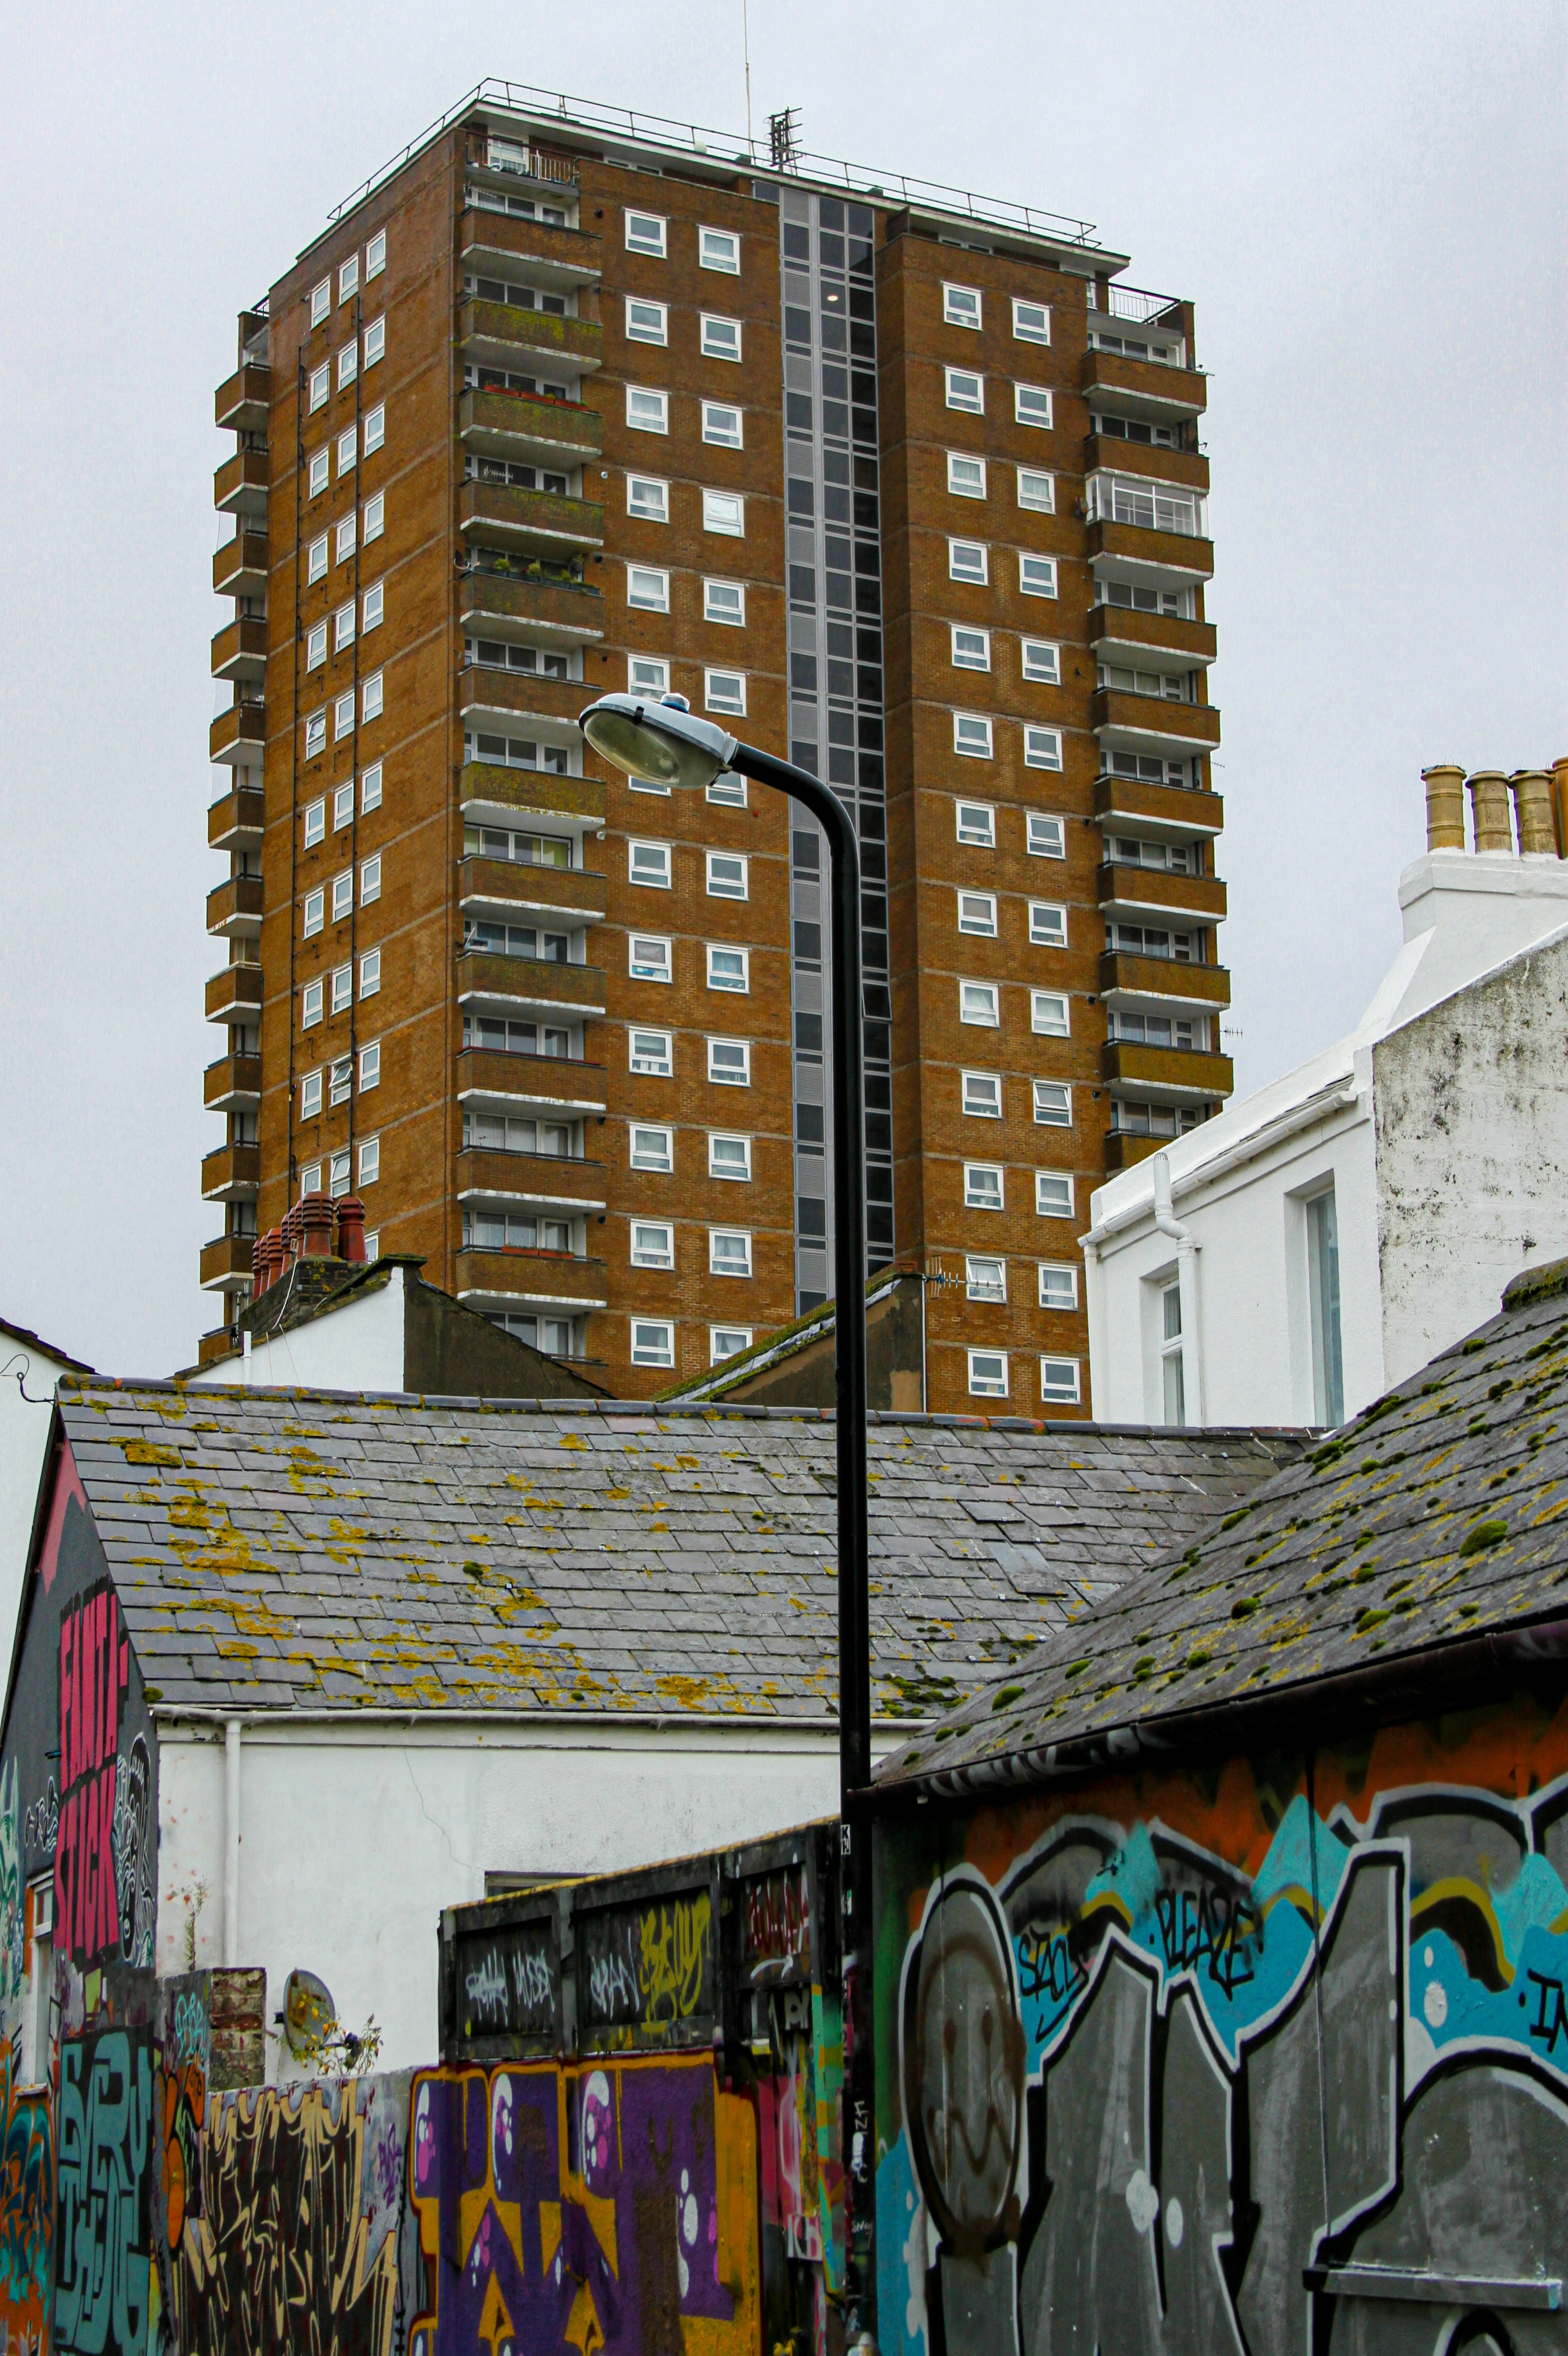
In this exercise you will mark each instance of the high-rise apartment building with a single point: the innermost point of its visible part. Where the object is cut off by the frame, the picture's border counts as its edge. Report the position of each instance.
(898, 483)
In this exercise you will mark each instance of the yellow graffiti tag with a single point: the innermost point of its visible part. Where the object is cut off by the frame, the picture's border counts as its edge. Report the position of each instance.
(674, 1943)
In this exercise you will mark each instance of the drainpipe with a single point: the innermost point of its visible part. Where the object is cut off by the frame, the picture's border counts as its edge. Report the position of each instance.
(232, 1841)
(1186, 1286)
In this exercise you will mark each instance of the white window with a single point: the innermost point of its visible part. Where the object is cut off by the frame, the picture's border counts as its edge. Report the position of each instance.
(729, 789)
(343, 805)
(343, 717)
(347, 365)
(338, 1167)
(1048, 836)
(976, 824)
(727, 1342)
(1047, 924)
(310, 1178)
(369, 973)
(376, 255)
(645, 233)
(647, 675)
(1038, 577)
(1031, 322)
(652, 1244)
(1053, 1193)
(650, 1054)
(985, 1278)
(988, 1374)
(375, 428)
(646, 412)
(373, 1243)
(979, 1003)
(729, 1062)
(375, 342)
(719, 249)
(310, 1005)
(982, 1189)
(971, 648)
(370, 1161)
(961, 305)
(348, 448)
(966, 476)
(647, 590)
(728, 969)
(1048, 1013)
(648, 498)
(314, 822)
(648, 957)
(371, 1067)
(977, 914)
(315, 646)
(729, 877)
(321, 386)
(320, 302)
(1031, 404)
(370, 787)
(729, 1251)
(724, 512)
(343, 1081)
(1042, 748)
(983, 1095)
(652, 1148)
(971, 734)
(347, 532)
(342, 896)
(1059, 1382)
(343, 627)
(347, 278)
(966, 391)
(315, 734)
(1037, 490)
(1053, 1104)
(369, 880)
(724, 601)
(652, 1344)
(320, 471)
(646, 323)
(1058, 1286)
(728, 1156)
(342, 987)
(720, 337)
(1042, 661)
(315, 912)
(375, 517)
(310, 1095)
(723, 425)
(725, 690)
(315, 559)
(370, 697)
(648, 862)
(967, 561)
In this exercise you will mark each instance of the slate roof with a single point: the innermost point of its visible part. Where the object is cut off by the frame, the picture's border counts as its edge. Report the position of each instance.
(31, 1341)
(1438, 1516)
(282, 1547)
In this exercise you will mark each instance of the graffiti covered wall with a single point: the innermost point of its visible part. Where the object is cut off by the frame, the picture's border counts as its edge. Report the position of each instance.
(1270, 2057)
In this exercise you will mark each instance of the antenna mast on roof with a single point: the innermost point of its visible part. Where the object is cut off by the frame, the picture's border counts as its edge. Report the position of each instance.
(783, 137)
(745, 47)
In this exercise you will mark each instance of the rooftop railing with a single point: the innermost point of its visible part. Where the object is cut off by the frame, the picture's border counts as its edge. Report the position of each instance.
(1136, 303)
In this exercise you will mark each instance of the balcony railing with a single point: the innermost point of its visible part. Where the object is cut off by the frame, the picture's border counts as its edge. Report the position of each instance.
(1136, 303)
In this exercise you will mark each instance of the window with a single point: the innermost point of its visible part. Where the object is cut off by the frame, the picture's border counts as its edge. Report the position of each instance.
(370, 1161)
(320, 302)
(376, 255)
(645, 412)
(1031, 322)
(347, 365)
(724, 512)
(1038, 577)
(650, 1054)
(348, 278)
(983, 1095)
(977, 914)
(976, 824)
(652, 1148)
(645, 233)
(966, 391)
(347, 533)
(961, 305)
(1041, 660)
(371, 1067)
(652, 1344)
(1053, 1104)
(370, 787)
(375, 342)
(1058, 1382)
(647, 675)
(648, 498)
(369, 880)
(648, 958)
(1047, 924)
(728, 788)
(720, 337)
(719, 249)
(982, 1189)
(310, 1005)
(986, 1280)
(1037, 490)
(310, 1178)
(370, 697)
(315, 734)
(343, 717)
(725, 690)
(1031, 404)
(971, 648)
(1042, 748)
(343, 1081)
(646, 323)
(988, 1374)
(375, 513)
(724, 601)
(310, 1095)
(369, 973)
(1048, 1013)
(1058, 1286)
(348, 447)
(967, 561)
(343, 627)
(647, 590)
(978, 1002)
(729, 1252)
(723, 425)
(320, 466)
(972, 736)
(343, 805)
(648, 862)
(315, 646)
(727, 1342)
(652, 1244)
(1048, 836)
(342, 896)
(375, 428)
(728, 969)
(729, 877)
(729, 1062)
(1053, 1194)
(341, 978)
(315, 559)
(320, 392)
(966, 476)
(728, 1156)
(315, 912)
(315, 823)
(1323, 1282)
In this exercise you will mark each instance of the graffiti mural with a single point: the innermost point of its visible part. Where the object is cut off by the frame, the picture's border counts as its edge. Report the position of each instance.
(13, 1906)
(27, 2210)
(94, 1676)
(104, 2192)
(611, 2206)
(1224, 2064)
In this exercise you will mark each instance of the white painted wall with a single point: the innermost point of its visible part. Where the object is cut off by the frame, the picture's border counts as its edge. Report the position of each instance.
(359, 1347)
(24, 1438)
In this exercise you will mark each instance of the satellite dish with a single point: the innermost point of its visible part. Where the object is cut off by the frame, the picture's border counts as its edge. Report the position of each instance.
(308, 2012)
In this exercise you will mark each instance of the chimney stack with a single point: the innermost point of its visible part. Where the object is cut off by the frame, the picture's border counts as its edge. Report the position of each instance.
(1533, 820)
(1490, 808)
(1444, 785)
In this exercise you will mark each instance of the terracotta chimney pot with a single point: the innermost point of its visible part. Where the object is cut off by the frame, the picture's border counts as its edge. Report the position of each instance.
(1489, 808)
(1533, 819)
(1444, 783)
(317, 1222)
(351, 1229)
(268, 1262)
(290, 1234)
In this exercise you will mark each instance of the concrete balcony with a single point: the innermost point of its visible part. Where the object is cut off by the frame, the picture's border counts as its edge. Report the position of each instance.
(519, 696)
(239, 485)
(1173, 556)
(1144, 388)
(485, 787)
(1119, 634)
(243, 400)
(529, 427)
(235, 994)
(239, 652)
(219, 1343)
(1172, 1074)
(1125, 1147)
(1163, 811)
(235, 906)
(1139, 892)
(529, 1181)
(240, 566)
(523, 1279)
(1154, 722)
(529, 986)
(574, 896)
(239, 735)
(1127, 980)
(231, 1174)
(544, 523)
(558, 1086)
(235, 822)
(226, 1264)
(1148, 459)
(233, 1084)
(560, 613)
(506, 336)
(539, 252)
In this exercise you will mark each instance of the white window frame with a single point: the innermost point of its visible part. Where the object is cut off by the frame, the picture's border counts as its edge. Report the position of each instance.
(1041, 662)
(977, 1196)
(652, 326)
(1050, 1113)
(958, 548)
(1043, 570)
(741, 1235)
(371, 697)
(715, 949)
(987, 1373)
(971, 835)
(1042, 747)
(647, 675)
(369, 880)
(347, 364)
(342, 896)
(714, 256)
(965, 390)
(656, 416)
(726, 1341)
(342, 980)
(372, 606)
(1047, 924)
(315, 559)
(1026, 327)
(645, 1156)
(981, 1096)
(974, 654)
(371, 787)
(977, 1287)
(347, 278)
(369, 1065)
(314, 915)
(640, 592)
(649, 1252)
(376, 256)
(343, 717)
(725, 691)
(973, 737)
(725, 621)
(348, 449)
(647, 232)
(648, 498)
(315, 646)
(723, 888)
(734, 1176)
(314, 822)
(1053, 1269)
(320, 471)
(713, 330)
(373, 519)
(650, 957)
(1047, 836)
(654, 861)
(310, 1097)
(348, 534)
(320, 387)
(312, 1000)
(713, 411)
(315, 735)
(375, 423)
(956, 305)
(652, 1342)
(1050, 1013)
(980, 1004)
(724, 512)
(375, 342)
(321, 300)
(343, 627)
(648, 1062)
(1047, 1203)
(1053, 1386)
(1028, 399)
(730, 1079)
(369, 973)
(963, 463)
(977, 914)
(1037, 490)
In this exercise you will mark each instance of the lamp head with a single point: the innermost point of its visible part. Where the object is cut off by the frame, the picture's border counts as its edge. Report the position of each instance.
(659, 740)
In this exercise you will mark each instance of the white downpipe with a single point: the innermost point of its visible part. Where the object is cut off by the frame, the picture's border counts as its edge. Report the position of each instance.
(232, 1841)
(1187, 1287)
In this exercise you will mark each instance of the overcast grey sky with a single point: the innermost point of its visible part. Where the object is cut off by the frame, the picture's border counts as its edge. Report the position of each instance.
(1365, 201)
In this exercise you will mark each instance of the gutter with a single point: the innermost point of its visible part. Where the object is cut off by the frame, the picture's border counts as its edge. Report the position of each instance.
(282, 1715)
